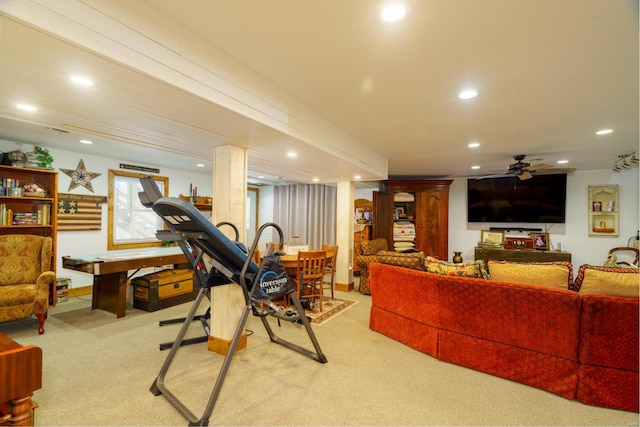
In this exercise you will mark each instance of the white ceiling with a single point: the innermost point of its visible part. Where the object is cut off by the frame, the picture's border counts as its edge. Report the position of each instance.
(549, 75)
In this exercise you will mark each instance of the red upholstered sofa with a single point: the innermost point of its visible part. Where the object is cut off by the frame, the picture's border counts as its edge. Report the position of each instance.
(582, 347)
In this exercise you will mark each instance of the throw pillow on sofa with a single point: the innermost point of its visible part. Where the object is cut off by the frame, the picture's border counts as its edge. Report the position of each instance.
(555, 274)
(468, 269)
(413, 260)
(595, 279)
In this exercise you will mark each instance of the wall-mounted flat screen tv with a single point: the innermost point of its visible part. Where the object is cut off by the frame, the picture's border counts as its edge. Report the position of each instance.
(541, 199)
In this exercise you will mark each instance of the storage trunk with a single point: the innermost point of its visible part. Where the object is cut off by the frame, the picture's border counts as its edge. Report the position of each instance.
(163, 289)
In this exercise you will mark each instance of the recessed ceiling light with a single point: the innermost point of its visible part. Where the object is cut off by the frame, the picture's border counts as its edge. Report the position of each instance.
(292, 154)
(562, 162)
(475, 167)
(85, 141)
(473, 145)
(316, 179)
(80, 80)
(26, 107)
(200, 165)
(392, 13)
(357, 177)
(468, 94)
(604, 131)
(260, 177)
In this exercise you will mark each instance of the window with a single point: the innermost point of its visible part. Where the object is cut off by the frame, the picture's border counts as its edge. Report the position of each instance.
(131, 225)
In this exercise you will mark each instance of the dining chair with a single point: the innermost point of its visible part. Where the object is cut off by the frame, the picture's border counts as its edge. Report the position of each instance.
(310, 275)
(329, 280)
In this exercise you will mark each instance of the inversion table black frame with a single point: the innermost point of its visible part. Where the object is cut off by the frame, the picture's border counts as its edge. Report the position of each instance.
(229, 263)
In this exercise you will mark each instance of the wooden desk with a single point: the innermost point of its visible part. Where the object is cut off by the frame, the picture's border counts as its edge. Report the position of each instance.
(20, 376)
(499, 254)
(110, 270)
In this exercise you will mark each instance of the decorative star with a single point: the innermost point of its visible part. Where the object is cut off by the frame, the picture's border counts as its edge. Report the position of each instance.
(80, 176)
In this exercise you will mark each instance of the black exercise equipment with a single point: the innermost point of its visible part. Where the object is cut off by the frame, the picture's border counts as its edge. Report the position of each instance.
(226, 262)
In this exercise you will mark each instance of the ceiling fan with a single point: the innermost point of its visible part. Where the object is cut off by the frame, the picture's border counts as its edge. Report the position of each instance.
(523, 170)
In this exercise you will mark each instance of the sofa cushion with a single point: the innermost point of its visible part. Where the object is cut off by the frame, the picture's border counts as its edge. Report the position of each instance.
(554, 274)
(468, 269)
(413, 260)
(595, 279)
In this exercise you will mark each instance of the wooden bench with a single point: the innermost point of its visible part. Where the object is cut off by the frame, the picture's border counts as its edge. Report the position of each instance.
(20, 376)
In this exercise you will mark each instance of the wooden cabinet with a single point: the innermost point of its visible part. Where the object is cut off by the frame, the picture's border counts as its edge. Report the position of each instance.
(487, 253)
(603, 210)
(30, 213)
(20, 376)
(413, 214)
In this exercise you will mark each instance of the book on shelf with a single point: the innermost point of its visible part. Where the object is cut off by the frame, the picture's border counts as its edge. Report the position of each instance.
(44, 214)
(6, 215)
(25, 218)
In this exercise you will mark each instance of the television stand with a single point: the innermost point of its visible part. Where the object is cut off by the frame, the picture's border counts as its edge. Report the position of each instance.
(486, 253)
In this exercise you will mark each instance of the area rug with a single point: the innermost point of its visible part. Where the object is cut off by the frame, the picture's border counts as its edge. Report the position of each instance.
(330, 309)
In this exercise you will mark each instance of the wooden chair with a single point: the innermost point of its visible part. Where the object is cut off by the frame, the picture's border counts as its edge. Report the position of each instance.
(625, 251)
(329, 281)
(310, 275)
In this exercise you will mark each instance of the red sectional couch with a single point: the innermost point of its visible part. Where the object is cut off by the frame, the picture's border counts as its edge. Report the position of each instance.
(582, 347)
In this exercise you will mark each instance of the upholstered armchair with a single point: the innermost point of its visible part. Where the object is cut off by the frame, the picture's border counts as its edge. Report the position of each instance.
(25, 277)
(368, 250)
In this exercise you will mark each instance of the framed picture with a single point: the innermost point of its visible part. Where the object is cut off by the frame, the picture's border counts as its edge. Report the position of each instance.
(540, 241)
(597, 206)
(492, 237)
(521, 243)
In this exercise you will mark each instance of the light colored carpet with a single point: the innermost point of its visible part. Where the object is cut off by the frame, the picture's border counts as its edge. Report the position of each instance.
(98, 370)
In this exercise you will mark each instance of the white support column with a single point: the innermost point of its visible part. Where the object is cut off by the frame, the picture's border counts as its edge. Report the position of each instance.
(344, 236)
(229, 204)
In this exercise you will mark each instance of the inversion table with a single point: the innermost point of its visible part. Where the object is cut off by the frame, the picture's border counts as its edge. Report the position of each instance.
(229, 262)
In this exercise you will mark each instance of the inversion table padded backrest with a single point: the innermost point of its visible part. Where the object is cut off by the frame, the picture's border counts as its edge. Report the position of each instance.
(183, 217)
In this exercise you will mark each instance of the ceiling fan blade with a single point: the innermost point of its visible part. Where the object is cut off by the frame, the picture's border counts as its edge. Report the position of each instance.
(553, 171)
(539, 166)
(525, 175)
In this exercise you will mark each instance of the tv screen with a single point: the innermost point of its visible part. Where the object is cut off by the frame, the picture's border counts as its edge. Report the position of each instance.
(541, 199)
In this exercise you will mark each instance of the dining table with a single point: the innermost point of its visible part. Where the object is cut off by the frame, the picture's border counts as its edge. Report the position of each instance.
(290, 262)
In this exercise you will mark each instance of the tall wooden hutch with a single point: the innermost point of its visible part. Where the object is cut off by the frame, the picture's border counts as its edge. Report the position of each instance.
(413, 213)
(26, 213)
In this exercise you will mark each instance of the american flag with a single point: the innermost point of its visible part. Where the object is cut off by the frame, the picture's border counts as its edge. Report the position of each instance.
(79, 212)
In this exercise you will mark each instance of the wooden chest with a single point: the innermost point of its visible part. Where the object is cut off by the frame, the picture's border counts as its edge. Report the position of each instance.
(163, 289)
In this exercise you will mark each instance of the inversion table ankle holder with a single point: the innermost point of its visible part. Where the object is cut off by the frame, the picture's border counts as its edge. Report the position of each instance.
(230, 262)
